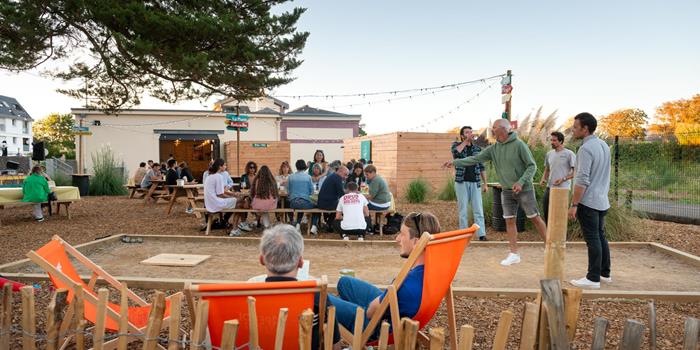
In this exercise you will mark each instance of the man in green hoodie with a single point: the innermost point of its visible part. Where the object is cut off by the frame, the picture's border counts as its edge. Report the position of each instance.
(515, 168)
(36, 190)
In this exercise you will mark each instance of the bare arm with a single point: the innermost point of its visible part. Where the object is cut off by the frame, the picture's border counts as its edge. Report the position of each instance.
(545, 176)
(373, 307)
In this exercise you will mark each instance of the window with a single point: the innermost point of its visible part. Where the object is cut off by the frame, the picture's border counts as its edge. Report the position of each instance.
(25, 127)
(14, 140)
(14, 122)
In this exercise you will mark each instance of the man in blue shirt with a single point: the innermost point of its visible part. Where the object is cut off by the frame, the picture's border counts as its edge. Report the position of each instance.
(353, 292)
(300, 189)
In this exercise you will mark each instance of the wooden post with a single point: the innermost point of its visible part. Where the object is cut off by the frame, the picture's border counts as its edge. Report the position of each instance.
(528, 334)
(652, 325)
(54, 317)
(553, 304)
(200, 326)
(155, 321)
(6, 319)
(79, 317)
(253, 324)
(357, 331)
(123, 317)
(330, 330)
(322, 309)
(555, 248)
(437, 338)
(28, 318)
(599, 330)
(174, 326)
(451, 317)
(692, 329)
(466, 337)
(98, 337)
(572, 304)
(383, 336)
(228, 336)
(632, 335)
(504, 323)
(410, 334)
(281, 324)
(306, 329)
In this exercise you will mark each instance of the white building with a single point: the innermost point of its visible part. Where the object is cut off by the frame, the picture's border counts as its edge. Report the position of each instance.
(15, 127)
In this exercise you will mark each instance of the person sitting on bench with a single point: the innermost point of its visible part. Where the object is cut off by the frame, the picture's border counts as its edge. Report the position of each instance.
(36, 190)
(352, 215)
(217, 198)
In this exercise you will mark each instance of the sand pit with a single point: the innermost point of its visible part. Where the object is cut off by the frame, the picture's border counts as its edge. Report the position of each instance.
(635, 267)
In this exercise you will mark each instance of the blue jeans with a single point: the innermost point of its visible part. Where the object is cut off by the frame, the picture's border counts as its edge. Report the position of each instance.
(353, 292)
(301, 203)
(468, 192)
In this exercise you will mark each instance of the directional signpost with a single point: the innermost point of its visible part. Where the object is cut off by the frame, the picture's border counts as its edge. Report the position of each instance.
(238, 123)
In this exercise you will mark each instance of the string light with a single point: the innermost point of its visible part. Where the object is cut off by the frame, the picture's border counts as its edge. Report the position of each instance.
(454, 109)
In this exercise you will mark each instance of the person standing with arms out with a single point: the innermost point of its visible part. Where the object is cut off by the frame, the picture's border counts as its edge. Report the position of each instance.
(590, 200)
(515, 168)
(559, 164)
(470, 181)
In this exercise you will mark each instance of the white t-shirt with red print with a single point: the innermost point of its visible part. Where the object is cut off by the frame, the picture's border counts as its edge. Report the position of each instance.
(351, 205)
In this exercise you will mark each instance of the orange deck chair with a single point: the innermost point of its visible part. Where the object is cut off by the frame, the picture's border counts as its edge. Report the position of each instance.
(443, 254)
(54, 259)
(229, 301)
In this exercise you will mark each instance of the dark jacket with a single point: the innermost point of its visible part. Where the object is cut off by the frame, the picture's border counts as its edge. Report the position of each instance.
(467, 152)
(330, 192)
(354, 178)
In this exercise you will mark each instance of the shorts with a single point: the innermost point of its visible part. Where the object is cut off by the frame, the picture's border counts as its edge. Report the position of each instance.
(525, 199)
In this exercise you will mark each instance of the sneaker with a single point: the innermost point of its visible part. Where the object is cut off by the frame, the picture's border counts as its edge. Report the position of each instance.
(299, 227)
(346, 238)
(483, 238)
(245, 226)
(304, 220)
(606, 279)
(189, 211)
(585, 283)
(361, 238)
(40, 219)
(235, 233)
(512, 258)
(314, 230)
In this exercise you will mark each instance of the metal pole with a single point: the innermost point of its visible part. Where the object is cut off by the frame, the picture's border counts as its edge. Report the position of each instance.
(81, 165)
(238, 146)
(508, 74)
(617, 166)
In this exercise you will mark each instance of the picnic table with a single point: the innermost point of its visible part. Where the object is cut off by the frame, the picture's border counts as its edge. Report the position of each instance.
(191, 191)
(65, 194)
(156, 191)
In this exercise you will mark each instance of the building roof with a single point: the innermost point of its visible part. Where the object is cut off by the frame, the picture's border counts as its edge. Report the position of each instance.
(10, 108)
(275, 100)
(308, 111)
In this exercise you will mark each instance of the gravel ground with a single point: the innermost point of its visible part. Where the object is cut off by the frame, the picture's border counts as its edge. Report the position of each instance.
(95, 217)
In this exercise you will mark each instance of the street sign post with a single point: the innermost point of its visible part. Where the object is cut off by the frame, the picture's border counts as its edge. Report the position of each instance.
(237, 123)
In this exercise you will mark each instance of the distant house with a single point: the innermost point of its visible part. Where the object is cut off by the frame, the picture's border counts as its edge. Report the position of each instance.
(15, 127)
(308, 129)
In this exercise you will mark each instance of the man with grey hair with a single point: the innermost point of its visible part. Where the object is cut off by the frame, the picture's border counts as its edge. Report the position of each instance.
(281, 252)
(331, 191)
(515, 168)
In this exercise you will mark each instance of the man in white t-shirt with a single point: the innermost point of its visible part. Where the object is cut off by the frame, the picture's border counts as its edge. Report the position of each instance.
(559, 164)
(217, 197)
(352, 214)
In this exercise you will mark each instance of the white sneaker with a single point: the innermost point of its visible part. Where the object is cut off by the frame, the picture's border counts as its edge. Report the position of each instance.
(512, 258)
(314, 230)
(189, 210)
(235, 233)
(245, 226)
(304, 220)
(360, 238)
(585, 283)
(299, 227)
(606, 279)
(346, 238)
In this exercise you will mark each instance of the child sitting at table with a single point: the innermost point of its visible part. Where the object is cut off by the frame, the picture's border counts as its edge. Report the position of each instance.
(264, 193)
(352, 210)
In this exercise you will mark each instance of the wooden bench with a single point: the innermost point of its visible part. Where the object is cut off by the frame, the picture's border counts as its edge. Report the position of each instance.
(134, 189)
(66, 204)
(378, 215)
(210, 220)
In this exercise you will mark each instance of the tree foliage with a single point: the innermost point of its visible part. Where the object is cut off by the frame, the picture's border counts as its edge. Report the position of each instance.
(672, 113)
(172, 49)
(624, 123)
(56, 130)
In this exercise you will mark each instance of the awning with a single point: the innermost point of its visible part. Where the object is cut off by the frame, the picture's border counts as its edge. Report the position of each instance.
(189, 137)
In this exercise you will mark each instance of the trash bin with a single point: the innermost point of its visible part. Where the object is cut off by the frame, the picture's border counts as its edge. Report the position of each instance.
(497, 221)
(82, 182)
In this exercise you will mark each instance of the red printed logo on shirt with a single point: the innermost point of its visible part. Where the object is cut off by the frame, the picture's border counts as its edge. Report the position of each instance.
(352, 198)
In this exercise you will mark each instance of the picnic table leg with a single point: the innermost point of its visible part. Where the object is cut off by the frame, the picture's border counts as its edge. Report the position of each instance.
(148, 195)
(67, 205)
(132, 192)
(210, 219)
(173, 199)
(192, 201)
(58, 209)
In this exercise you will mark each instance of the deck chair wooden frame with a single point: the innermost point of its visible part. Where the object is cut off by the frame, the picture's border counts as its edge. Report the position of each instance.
(89, 294)
(461, 237)
(245, 289)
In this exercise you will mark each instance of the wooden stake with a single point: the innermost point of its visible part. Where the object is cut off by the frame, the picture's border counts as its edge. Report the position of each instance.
(555, 249)
(553, 302)
(281, 324)
(410, 334)
(632, 335)
(174, 321)
(466, 337)
(322, 309)
(200, 326)
(652, 325)
(6, 316)
(357, 331)
(155, 321)
(54, 317)
(528, 334)
(306, 329)
(79, 317)
(437, 338)
(28, 318)
(572, 304)
(692, 329)
(504, 323)
(330, 330)
(123, 318)
(228, 336)
(253, 325)
(98, 338)
(599, 330)
(451, 317)
(383, 336)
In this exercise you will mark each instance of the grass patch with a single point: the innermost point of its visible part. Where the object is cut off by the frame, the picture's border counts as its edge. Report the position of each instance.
(417, 191)
(108, 177)
(447, 193)
(621, 224)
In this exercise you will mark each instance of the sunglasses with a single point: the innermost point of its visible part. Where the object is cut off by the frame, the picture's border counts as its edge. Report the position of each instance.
(416, 220)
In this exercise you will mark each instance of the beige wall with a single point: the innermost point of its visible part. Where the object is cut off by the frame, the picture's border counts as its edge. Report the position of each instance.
(319, 133)
(131, 135)
(306, 151)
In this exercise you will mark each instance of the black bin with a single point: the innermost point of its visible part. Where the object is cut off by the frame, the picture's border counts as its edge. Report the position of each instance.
(82, 182)
(497, 221)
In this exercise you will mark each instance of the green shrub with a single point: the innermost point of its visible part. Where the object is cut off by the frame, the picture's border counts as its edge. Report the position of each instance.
(108, 176)
(621, 224)
(447, 193)
(417, 191)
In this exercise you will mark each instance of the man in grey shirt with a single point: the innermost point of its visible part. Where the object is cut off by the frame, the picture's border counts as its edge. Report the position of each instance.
(590, 200)
(559, 166)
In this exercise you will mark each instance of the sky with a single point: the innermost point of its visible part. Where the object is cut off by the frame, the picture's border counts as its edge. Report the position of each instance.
(569, 57)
